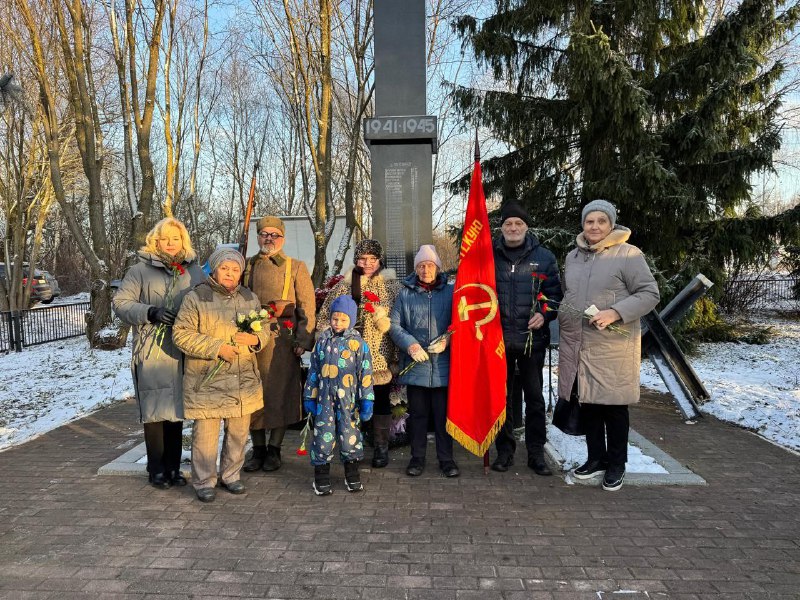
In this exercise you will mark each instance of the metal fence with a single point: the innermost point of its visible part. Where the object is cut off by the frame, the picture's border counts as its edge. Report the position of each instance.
(41, 325)
(781, 294)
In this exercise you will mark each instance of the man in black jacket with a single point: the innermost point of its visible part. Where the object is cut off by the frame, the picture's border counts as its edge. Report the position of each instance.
(523, 266)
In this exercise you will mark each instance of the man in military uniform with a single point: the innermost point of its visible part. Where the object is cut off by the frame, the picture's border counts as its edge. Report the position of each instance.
(283, 284)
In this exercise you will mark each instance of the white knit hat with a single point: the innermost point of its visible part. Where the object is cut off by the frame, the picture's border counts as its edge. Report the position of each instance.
(427, 252)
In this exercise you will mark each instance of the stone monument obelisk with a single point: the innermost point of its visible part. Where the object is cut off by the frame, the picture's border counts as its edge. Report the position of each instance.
(401, 137)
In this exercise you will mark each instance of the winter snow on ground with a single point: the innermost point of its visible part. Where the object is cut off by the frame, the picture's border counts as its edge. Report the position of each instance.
(755, 387)
(44, 387)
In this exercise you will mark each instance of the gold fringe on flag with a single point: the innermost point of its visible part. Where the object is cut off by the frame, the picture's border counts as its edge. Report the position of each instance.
(476, 448)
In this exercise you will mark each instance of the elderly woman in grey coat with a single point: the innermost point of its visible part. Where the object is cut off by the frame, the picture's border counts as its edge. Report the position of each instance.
(602, 365)
(148, 299)
(221, 381)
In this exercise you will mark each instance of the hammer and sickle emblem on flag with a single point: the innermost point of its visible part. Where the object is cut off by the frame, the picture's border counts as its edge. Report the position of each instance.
(464, 309)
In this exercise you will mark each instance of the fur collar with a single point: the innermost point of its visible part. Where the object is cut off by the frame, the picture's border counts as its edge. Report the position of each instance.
(619, 235)
(386, 274)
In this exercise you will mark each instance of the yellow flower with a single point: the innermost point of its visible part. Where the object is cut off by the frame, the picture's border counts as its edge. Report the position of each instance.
(240, 318)
(263, 313)
(255, 326)
(253, 314)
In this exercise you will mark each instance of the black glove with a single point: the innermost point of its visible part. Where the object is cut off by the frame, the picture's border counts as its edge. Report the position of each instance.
(160, 314)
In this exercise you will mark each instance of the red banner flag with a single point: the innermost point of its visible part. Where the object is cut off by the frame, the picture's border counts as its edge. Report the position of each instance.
(476, 406)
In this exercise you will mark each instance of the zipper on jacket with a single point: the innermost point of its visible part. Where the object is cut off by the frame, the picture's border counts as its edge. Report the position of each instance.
(430, 333)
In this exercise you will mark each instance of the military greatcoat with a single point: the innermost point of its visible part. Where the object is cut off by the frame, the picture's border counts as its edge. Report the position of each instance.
(285, 282)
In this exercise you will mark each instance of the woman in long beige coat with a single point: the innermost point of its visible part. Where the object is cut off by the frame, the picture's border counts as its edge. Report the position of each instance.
(612, 275)
(206, 331)
(148, 300)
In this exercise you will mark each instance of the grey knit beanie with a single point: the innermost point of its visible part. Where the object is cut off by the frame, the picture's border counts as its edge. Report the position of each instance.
(603, 206)
(220, 255)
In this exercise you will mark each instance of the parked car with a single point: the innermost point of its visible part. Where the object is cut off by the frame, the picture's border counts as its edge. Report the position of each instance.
(54, 287)
(40, 290)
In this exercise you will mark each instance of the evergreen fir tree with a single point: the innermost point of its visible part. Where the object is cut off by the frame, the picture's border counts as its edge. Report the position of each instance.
(634, 102)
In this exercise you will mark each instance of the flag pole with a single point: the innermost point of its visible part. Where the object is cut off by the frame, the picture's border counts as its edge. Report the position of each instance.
(477, 159)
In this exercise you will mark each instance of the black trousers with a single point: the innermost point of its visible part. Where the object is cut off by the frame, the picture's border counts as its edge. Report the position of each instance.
(530, 373)
(606, 432)
(382, 402)
(163, 440)
(423, 402)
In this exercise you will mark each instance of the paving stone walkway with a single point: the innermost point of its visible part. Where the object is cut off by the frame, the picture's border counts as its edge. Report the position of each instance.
(66, 532)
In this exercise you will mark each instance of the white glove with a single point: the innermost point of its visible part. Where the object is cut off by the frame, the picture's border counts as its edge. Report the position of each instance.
(381, 319)
(438, 347)
(417, 353)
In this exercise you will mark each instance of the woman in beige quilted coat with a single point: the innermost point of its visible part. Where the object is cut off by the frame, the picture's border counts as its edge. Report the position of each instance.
(207, 333)
(374, 288)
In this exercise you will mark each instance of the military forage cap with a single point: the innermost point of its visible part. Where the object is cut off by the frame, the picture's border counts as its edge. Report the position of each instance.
(275, 222)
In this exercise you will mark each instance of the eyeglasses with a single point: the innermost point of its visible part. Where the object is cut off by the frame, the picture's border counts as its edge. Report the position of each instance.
(368, 259)
(270, 236)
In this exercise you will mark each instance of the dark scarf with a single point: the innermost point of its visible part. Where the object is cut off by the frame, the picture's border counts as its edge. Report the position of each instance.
(168, 260)
(218, 287)
(355, 284)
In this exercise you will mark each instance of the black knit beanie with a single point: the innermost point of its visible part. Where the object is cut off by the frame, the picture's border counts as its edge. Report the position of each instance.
(512, 209)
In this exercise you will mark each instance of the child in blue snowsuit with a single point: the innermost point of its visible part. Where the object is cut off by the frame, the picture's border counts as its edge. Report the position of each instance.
(338, 393)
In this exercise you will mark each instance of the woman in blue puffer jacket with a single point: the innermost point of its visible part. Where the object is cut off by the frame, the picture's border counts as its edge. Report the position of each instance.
(420, 314)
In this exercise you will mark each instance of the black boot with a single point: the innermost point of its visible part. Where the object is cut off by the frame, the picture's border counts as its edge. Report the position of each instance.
(159, 480)
(352, 480)
(272, 462)
(177, 479)
(322, 480)
(256, 459)
(539, 465)
(380, 427)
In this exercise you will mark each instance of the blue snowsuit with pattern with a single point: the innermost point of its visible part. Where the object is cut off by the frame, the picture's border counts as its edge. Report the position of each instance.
(338, 391)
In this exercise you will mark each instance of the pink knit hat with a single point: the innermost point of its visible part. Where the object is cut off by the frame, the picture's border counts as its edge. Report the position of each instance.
(427, 252)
